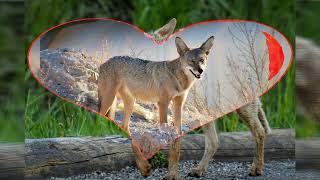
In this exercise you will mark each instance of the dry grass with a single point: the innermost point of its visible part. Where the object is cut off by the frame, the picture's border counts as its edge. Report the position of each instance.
(102, 55)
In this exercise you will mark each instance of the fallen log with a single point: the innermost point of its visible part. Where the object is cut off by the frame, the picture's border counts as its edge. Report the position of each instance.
(76, 155)
(308, 154)
(12, 160)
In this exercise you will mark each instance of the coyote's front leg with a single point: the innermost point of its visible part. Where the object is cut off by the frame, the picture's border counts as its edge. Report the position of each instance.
(174, 153)
(211, 146)
(143, 164)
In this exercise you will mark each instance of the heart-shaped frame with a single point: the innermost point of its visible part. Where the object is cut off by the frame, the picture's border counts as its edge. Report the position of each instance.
(240, 48)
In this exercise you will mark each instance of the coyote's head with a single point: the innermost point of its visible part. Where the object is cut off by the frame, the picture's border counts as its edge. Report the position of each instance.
(196, 59)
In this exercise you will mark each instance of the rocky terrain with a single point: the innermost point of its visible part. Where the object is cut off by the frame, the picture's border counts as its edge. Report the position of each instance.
(71, 75)
(281, 169)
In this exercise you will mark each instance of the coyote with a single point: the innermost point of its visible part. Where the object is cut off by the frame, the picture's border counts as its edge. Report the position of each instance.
(128, 78)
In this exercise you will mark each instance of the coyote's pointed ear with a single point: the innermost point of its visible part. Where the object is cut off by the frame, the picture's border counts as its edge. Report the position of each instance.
(181, 46)
(167, 29)
(206, 46)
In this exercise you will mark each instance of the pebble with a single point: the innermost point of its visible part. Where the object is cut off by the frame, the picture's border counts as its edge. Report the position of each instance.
(274, 169)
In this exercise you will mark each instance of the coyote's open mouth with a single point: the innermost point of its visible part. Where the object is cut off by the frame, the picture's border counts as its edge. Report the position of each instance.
(195, 75)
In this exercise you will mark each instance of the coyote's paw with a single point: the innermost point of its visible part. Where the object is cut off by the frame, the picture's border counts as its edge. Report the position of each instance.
(171, 177)
(144, 168)
(256, 170)
(196, 172)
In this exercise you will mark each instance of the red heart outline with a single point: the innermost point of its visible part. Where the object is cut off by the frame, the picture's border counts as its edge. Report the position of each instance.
(158, 43)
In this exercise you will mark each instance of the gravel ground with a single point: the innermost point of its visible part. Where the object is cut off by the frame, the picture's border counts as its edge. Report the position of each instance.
(284, 169)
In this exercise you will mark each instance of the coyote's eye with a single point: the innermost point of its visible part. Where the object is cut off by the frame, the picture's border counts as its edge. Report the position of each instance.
(201, 60)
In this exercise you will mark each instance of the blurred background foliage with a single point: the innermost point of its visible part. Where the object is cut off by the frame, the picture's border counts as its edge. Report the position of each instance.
(48, 116)
(307, 18)
(12, 69)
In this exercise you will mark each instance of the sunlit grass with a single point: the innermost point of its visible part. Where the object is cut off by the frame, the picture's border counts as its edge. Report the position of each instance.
(60, 119)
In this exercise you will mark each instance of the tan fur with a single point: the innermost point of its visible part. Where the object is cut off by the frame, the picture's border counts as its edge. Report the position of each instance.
(158, 35)
(128, 78)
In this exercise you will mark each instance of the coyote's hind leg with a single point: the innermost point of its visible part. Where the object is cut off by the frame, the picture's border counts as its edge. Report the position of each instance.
(249, 115)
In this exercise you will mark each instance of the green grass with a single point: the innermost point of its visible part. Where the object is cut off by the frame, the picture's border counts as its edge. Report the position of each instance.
(159, 160)
(60, 118)
(48, 116)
